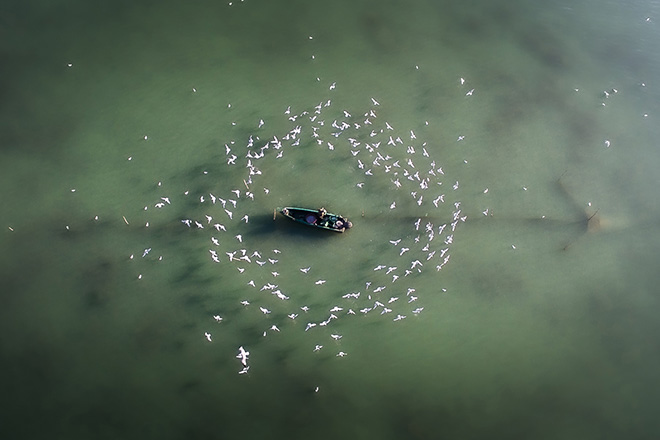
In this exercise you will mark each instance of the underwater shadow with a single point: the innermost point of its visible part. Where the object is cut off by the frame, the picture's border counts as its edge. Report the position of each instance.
(266, 225)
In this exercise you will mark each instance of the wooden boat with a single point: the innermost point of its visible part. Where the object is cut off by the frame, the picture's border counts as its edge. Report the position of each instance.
(318, 218)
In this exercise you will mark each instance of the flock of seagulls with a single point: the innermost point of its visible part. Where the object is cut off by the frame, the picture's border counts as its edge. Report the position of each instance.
(379, 153)
(377, 150)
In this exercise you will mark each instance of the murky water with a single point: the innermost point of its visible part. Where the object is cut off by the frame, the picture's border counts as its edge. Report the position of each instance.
(497, 159)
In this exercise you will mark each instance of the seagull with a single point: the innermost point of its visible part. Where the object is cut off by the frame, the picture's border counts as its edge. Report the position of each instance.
(243, 355)
(336, 337)
(208, 336)
(264, 310)
(305, 269)
(218, 318)
(318, 347)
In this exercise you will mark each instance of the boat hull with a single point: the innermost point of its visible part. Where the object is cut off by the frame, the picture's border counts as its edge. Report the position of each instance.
(316, 218)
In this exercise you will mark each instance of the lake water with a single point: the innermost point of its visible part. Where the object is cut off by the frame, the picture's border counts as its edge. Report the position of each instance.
(518, 138)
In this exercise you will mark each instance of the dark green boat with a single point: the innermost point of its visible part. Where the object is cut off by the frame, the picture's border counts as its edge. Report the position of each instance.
(318, 218)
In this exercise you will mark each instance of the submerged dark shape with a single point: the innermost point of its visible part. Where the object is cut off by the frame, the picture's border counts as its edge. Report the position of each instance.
(318, 218)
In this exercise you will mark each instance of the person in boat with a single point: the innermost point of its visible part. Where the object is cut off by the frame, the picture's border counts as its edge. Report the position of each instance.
(322, 219)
